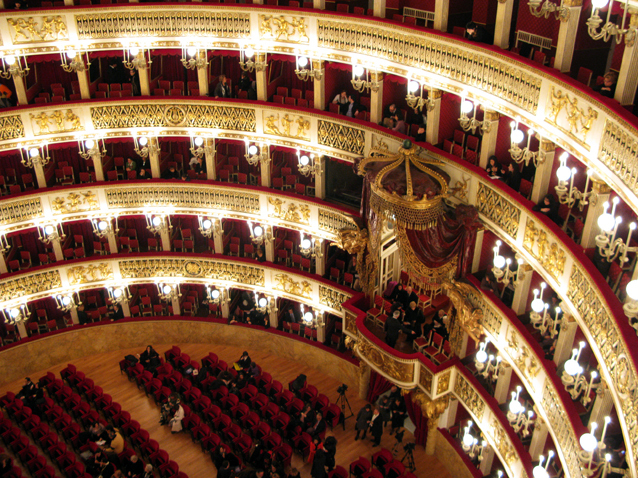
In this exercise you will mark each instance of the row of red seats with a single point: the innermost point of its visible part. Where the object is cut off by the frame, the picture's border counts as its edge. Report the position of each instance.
(385, 466)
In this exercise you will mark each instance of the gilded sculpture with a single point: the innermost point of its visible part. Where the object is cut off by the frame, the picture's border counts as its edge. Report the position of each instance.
(402, 372)
(294, 213)
(579, 120)
(549, 254)
(357, 241)
(36, 29)
(432, 409)
(285, 283)
(279, 27)
(73, 202)
(63, 121)
(468, 317)
(91, 273)
(286, 121)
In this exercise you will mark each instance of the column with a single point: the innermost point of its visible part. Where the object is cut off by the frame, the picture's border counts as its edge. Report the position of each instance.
(175, 305)
(269, 246)
(378, 8)
(503, 23)
(488, 459)
(21, 89)
(97, 165)
(539, 438)
(603, 405)
(364, 380)
(628, 74)
(462, 352)
(57, 250)
(112, 242)
(441, 12)
(320, 260)
(567, 36)
(376, 97)
(320, 85)
(274, 316)
(153, 157)
(434, 118)
(565, 341)
(321, 332)
(225, 305)
(210, 155)
(266, 176)
(74, 316)
(22, 330)
(591, 229)
(478, 246)
(448, 417)
(502, 389)
(521, 291)
(261, 78)
(3, 264)
(165, 237)
(488, 143)
(38, 169)
(144, 72)
(218, 237)
(126, 310)
(83, 74)
(202, 73)
(542, 177)
(320, 179)
(433, 409)
(255, 2)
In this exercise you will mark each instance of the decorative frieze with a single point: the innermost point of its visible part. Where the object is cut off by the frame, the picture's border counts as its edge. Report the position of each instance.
(493, 205)
(341, 137)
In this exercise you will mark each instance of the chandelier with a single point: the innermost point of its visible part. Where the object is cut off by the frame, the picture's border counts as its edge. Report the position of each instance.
(311, 248)
(4, 242)
(506, 276)
(158, 223)
(48, 233)
(519, 154)
(12, 66)
(259, 234)
(547, 8)
(304, 73)
(265, 305)
(102, 227)
(168, 292)
(487, 365)
(361, 79)
(610, 29)
(32, 155)
(256, 154)
(570, 195)
(609, 246)
(73, 62)
(539, 470)
(118, 295)
(145, 146)
(247, 63)
(17, 314)
(418, 102)
(216, 295)
(518, 419)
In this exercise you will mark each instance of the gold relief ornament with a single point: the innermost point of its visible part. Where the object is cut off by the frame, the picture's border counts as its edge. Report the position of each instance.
(63, 121)
(460, 188)
(503, 444)
(426, 379)
(339, 136)
(498, 209)
(331, 297)
(273, 122)
(432, 409)
(91, 273)
(350, 323)
(468, 317)
(40, 282)
(175, 115)
(575, 121)
(550, 256)
(357, 241)
(294, 213)
(38, 29)
(444, 382)
(523, 357)
(283, 27)
(75, 202)
(470, 397)
(402, 372)
(285, 283)
(11, 127)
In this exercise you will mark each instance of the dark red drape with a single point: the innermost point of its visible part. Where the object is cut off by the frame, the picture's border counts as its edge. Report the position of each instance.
(378, 386)
(454, 233)
(420, 422)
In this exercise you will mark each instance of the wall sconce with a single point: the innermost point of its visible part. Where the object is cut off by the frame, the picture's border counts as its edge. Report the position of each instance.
(194, 58)
(32, 155)
(256, 154)
(145, 145)
(572, 377)
(198, 147)
(467, 123)
(507, 275)
(73, 61)
(630, 307)
(4, 242)
(611, 29)
(302, 71)
(90, 148)
(610, 247)
(136, 58)
(307, 165)
(418, 102)
(310, 319)
(518, 419)
(17, 314)
(589, 443)
(168, 292)
(217, 295)
(260, 234)
(158, 223)
(210, 226)
(12, 66)
(68, 301)
(103, 226)
(48, 233)
(569, 195)
(547, 8)
(539, 470)
(311, 247)
(522, 155)
(265, 305)
(247, 63)
(361, 79)
(119, 295)
(470, 444)
(486, 364)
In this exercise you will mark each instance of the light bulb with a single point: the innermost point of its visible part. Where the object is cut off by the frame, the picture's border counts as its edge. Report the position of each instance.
(199, 141)
(563, 173)
(117, 293)
(258, 231)
(516, 136)
(89, 144)
(14, 313)
(66, 300)
(10, 59)
(156, 221)
(215, 294)
(263, 302)
(308, 317)
(468, 440)
(481, 356)
(413, 86)
(358, 70)
(499, 262)
(302, 61)
(606, 222)
(588, 442)
(632, 289)
(48, 230)
(191, 51)
(572, 367)
(71, 54)
(102, 225)
(34, 152)
(134, 51)
(305, 244)
(143, 141)
(253, 150)
(249, 51)
(166, 289)
(538, 305)
(467, 107)
(598, 4)
(540, 472)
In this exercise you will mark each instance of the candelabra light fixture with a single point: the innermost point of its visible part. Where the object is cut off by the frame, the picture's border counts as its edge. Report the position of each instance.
(573, 377)
(260, 234)
(119, 294)
(32, 155)
(210, 226)
(506, 276)
(470, 444)
(257, 154)
(523, 155)
(248, 62)
(589, 444)
(265, 305)
(136, 58)
(74, 61)
(14, 66)
(311, 319)
(51, 232)
(194, 58)
(68, 301)
(415, 99)
(305, 69)
(158, 223)
(610, 29)
(217, 295)
(567, 193)
(168, 292)
(545, 8)
(487, 365)
(631, 305)
(307, 164)
(91, 148)
(610, 247)
(13, 315)
(311, 248)
(540, 471)
(362, 79)
(4, 242)
(516, 415)
(103, 226)
(145, 145)
(472, 124)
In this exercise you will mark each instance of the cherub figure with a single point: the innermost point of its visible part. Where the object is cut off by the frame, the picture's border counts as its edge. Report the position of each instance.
(285, 124)
(303, 125)
(74, 120)
(43, 122)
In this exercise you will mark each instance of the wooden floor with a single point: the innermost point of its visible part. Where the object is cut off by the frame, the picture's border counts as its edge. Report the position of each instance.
(104, 370)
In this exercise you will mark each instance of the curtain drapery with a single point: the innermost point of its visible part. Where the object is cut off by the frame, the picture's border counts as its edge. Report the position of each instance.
(419, 420)
(378, 386)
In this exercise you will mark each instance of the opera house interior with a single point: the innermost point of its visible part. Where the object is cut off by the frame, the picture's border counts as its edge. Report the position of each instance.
(433, 201)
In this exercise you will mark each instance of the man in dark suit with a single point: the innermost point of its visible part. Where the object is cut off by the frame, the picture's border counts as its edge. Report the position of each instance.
(392, 328)
(376, 427)
(410, 296)
(291, 315)
(225, 471)
(318, 427)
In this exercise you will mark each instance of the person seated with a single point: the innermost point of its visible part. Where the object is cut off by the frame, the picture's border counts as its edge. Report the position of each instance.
(222, 90)
(398, 294)
(549, 207)
(200, 166)
(420, 134)
(244, 361)
(131, 165)
(477, 33)
(352, 108)
(115, 444)
(143, 174)
(399, 126)
(28, 390)
(512, 176)
(493, 167)
(390, 114)
(414, 316)
(150, 359)
(439, 323)
(261, 257)
(410, 296)
(134, 468)
(341, 99)
(318, 426)
(608, 86)
(170, 173)
(489, 283)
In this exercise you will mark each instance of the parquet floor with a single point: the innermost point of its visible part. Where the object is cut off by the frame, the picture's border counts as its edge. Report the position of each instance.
(104, 370)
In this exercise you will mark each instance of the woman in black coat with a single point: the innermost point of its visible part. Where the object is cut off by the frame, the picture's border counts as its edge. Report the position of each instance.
(549, 207)
(363, 421)
(319, 464)
(398, 414)
(150, 359)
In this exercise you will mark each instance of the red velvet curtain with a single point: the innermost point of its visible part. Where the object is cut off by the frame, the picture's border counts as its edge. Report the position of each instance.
(378, 386)
(420, 422)
(454, 234)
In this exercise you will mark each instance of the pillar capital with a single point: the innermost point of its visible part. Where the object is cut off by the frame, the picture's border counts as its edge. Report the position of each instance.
(547, 146)
(435, 94)
(490, 115)
(600, 187)
(432, 409)
(572, 3)
(376, 76)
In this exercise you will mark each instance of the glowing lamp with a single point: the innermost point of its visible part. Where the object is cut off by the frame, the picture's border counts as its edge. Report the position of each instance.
(302, 61)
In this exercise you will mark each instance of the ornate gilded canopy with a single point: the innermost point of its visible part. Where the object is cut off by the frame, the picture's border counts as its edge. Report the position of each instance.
(402, 186)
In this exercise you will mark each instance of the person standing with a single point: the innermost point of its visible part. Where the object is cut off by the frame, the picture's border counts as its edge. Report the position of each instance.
(398, 414)
(363, 421)
(376, 427)
(319, 463)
